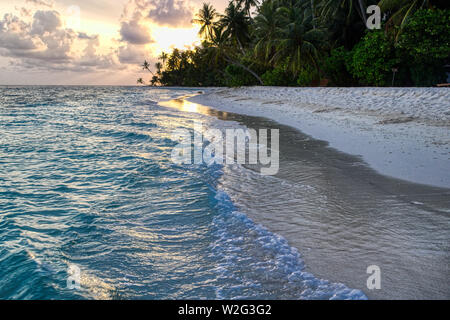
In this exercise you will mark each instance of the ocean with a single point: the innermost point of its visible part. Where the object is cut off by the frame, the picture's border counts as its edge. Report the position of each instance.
(87, 184)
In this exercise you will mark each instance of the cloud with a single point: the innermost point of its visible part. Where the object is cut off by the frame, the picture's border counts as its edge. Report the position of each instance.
(41, 3)
(91, 59)
(45, 21)
(85, 36)
(14, 35)
(173, 13)
(43, 43)
(131, 54)
(24, 11)
(136, 15)
(37, 37)
(42, 39)
(133, 32)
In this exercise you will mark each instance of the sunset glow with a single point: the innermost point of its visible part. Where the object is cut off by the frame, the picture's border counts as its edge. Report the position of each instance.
(167, 38)
(91, 42)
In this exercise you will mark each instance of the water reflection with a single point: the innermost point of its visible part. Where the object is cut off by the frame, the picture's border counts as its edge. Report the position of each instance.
(343, 216)
(185, 105)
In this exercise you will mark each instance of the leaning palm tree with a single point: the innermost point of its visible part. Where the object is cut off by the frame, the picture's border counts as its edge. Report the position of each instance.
(300, 43)
(206, 17)
(222, 48)
(146, 66)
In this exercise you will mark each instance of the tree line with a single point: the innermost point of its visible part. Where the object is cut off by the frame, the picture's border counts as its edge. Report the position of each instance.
(312, 42)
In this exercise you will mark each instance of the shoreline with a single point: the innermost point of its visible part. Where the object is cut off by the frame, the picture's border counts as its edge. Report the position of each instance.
(402, 133)
(341, 214)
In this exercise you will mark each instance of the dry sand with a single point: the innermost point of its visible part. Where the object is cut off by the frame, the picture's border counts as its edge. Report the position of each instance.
(399, 132)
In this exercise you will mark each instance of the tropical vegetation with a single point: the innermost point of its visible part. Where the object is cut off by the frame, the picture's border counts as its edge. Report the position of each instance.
(312, 42)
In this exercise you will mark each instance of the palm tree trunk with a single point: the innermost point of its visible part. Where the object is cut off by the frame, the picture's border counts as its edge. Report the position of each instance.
(240, 45)
(228, 59)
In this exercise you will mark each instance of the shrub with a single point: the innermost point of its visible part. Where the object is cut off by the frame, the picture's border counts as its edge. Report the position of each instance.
(236, 76)
(373, 59)
(273, 77)
(336, 67)
(424, 45)
(427, 75)
(306, 76)
(426, 36)
(278, 77)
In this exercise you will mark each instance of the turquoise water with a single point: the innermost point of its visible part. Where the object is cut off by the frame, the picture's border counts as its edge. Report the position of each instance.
(86, 180)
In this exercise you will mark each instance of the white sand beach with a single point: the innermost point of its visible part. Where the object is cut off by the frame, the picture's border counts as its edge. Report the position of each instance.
(400, 132)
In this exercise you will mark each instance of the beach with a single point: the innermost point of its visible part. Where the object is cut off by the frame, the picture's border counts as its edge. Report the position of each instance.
(356, 187)
(89, 183)
(400, 132)
(89, 187)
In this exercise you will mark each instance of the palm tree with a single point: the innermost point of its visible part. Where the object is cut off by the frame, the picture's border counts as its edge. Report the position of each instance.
(400, 10)
(268, 28)
(173, 61)
(158, 67)
(346, 23)
(163, 57)
(140, 81)
(247, 5)
(236, 24)
(205, 18)
(331, 8)
(220, 48)
(154, 80)
(215, 49)
(146, 66)
(300, 43)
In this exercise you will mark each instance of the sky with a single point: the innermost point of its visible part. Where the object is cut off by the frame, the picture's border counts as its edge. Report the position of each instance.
(91, 42)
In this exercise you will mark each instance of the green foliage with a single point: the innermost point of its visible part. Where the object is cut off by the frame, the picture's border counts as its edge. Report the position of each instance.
(399, 12)
(205, 18)
(336, 67)
(426, 37)
(268, 28)
(278, 76)
(425, 75)
(306, 76)
(289, 42)
(425, 45)
(301, 42)
(238, 77)
(373, 59)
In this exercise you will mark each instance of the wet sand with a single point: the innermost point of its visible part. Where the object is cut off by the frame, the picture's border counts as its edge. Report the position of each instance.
(400, 132)
(343, 216)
